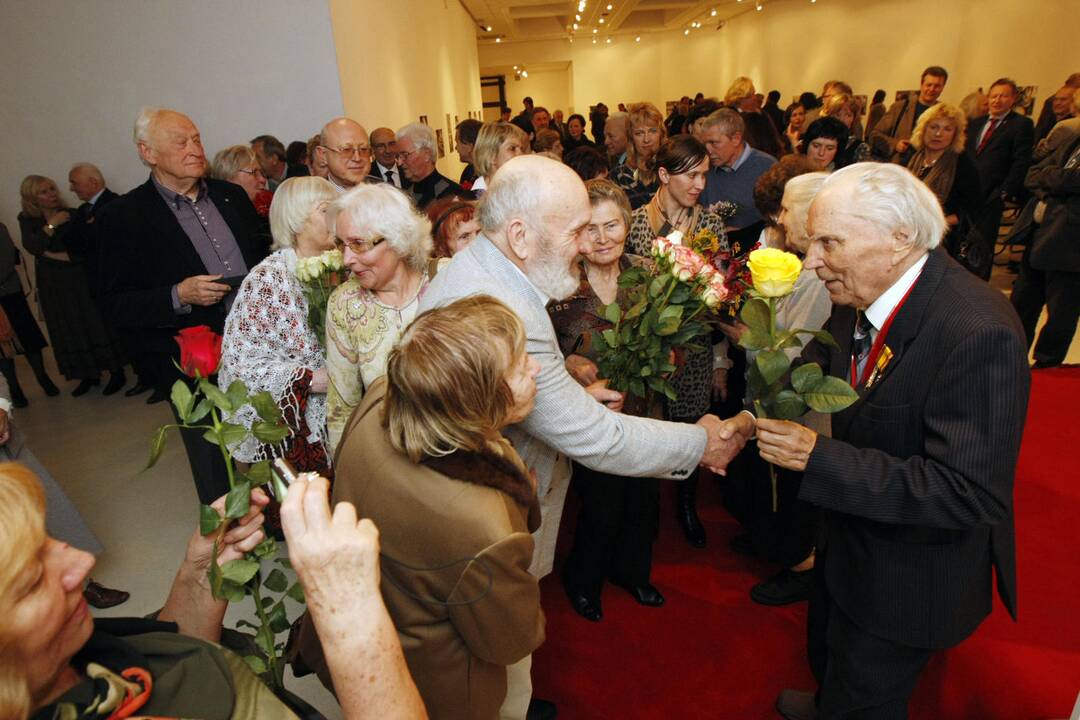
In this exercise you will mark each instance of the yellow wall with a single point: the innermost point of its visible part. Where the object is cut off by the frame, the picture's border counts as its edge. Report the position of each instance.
(793, 45)
(403, 59)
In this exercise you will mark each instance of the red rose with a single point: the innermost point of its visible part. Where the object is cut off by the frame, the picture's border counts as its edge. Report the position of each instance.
(200, 351)
(262, 202)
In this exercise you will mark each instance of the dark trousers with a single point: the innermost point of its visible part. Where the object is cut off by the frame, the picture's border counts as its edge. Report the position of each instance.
(207, 464)
(860, 676)
(1060, 293)
(787, 536)
(616, 528)
(979, 254)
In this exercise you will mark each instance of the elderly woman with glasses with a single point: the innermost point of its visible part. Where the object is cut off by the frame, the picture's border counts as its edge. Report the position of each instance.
(386, 244)
(238, 165)
(269, 342)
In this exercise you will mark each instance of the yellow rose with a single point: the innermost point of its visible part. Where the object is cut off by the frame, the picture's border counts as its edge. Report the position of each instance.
(773, 271)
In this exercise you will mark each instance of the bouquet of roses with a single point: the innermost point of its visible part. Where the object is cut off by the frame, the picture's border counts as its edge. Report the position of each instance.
(200, 354)
(319, 275)
(667, 308)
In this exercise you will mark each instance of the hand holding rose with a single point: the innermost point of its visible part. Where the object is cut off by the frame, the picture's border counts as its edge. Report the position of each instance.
(785, 444)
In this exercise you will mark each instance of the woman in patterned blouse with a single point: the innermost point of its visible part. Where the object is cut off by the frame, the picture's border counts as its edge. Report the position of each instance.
(386, 244)
(681, 166)
(636, 176)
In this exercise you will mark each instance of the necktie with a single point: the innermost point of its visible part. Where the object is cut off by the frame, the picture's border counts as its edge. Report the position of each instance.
(390, 177)
(861, 343)
(986, 136)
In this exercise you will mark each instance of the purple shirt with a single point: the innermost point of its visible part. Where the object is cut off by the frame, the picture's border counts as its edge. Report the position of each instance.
(209, 234)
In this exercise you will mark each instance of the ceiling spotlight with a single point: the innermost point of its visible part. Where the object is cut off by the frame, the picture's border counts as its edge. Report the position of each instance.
(609, 41)
(759, 7)
(637, 39)
(594, 31)
(575, 26)
(609, 6)
(487, 28)
(686, 31)
(581, 6)
(577, 17)
(712, 13)
(498, 39)
(524, 73)
(515, 67)
(601, 21)
(594, 41)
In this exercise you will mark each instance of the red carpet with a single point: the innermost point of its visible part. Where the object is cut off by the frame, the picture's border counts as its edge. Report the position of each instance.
(712, 653)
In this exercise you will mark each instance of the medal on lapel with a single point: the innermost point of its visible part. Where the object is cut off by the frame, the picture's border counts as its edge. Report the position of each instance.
(883, 359)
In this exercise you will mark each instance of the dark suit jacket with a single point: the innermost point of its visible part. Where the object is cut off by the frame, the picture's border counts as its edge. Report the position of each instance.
(917, 480)
(378, 175)
(147, 253)
(1056, 241)
(1005, 160)
(84, 240)
(296, 170)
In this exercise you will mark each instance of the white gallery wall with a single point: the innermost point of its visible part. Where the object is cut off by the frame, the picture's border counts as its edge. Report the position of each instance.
(75, 72)
(793, 45)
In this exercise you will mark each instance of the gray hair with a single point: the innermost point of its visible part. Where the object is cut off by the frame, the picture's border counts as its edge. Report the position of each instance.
(421, 136)
(510, 196)
(90, 169)
(618, 115)
(799, 192)
(293, 202)
(891, 198)
(728, 120)
(381, 210)
(230, 161)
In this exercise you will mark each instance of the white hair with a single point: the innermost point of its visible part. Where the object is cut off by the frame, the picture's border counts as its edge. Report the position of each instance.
(799, 192)
(381, 210)
(510, 196)
(892, 198)
(144, 122)
(292, 205)
(421, 136)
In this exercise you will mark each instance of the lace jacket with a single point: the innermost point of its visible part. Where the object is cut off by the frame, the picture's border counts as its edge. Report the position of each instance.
(269, 346)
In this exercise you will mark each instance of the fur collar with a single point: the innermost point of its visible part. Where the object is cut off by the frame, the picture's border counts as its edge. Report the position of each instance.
(493, 467)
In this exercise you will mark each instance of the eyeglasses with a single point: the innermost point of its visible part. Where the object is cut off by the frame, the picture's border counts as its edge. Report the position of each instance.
(256, 172)
(405, 155)
(349, 150)
(359, 246)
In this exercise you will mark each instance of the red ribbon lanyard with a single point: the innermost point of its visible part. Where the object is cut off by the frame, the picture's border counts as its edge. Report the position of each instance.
(879, 343)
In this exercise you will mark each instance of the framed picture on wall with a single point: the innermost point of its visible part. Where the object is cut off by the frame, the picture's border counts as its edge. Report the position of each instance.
(1026, 102)
(449, 134)
(423, 119)
(440, 143)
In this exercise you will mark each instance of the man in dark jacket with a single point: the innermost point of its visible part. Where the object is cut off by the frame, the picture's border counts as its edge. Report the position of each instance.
(416, 158)
(271, 156)
(917, 479)
(178, 246)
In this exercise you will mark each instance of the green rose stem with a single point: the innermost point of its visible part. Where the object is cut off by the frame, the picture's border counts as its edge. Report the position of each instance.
(276, 671)
(757, 403)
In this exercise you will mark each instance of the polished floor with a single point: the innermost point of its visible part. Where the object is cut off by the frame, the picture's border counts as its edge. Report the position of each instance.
(96, 447)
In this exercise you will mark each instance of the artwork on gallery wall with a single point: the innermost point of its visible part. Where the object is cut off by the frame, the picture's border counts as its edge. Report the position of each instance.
(423, 119)
(449, 134)
(1026, 102)
(456, 122)
(440, 143)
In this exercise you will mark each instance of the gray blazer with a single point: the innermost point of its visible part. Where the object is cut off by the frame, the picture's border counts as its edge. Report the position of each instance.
(566, 423)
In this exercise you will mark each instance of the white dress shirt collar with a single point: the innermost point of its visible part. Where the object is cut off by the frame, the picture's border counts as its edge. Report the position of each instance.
(543, 296)
(880, 309)
(97, 196)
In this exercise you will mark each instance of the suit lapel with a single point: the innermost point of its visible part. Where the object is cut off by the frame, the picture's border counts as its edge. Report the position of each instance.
(499, 265)
(167, 228)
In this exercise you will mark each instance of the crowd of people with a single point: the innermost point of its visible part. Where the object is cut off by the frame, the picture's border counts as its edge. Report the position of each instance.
(453, 390)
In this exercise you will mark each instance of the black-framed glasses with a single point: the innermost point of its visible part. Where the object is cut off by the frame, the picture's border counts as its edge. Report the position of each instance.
(359, 246)
(350, 150)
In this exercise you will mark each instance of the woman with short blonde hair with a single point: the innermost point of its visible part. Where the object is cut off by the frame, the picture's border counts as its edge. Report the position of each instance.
(740, 94)
(496, 143)
(238, 165)
(940, 162)
(637, 176)
(423, 454)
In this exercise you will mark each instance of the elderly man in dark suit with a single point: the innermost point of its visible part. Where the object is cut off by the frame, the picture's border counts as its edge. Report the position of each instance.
(917, 479)
(178, 246)
(1050, 270)
(1000, 144)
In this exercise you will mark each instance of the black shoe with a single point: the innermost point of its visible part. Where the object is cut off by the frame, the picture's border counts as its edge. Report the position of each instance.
(1044, 364)
(84, 387)
(585, 606)
(156, 397)
(645, 594)
(18, 400)
(686, 512)
(784, 588)
(117, 381)
(541, 710)
(48, 386)
(137, 389)
(744, 545)
(796, 705)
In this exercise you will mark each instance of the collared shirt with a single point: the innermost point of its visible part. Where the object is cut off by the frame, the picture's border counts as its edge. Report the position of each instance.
(880, 309)
(986, 127)
(337, 186)
(739, 161)
(210, 235)
(542, 295)
(394, 169)
(97, 196)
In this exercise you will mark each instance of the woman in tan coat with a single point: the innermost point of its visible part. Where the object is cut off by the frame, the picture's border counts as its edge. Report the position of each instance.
(423, 457)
